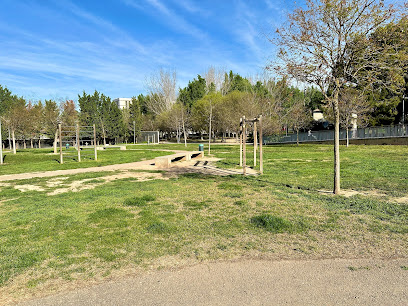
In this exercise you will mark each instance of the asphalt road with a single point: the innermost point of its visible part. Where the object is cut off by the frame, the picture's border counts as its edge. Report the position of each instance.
(252, 282)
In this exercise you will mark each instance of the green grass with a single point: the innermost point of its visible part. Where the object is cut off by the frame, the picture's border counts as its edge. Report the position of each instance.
(275, 224)
(139, 201)
(195, 217)
(380, 168)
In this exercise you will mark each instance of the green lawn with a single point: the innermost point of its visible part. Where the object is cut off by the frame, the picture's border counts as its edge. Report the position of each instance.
(126, 223)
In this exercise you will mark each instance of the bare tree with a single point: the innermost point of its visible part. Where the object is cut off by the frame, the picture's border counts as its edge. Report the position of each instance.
(16, 118)
(175, 120)
(51, 118)
(300, 117)
(327, 44)
(162, 91)
(214, 76)
(353, 105)
(35, 120)
(203, 114)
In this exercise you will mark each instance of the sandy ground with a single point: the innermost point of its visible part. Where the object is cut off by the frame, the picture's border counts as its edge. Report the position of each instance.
(58, 180)
(203, 165)
(251, 282)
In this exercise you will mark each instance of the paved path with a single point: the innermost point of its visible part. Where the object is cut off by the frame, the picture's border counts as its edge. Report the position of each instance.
(318, 282)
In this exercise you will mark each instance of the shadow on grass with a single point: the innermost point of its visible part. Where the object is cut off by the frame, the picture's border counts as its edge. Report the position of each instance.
(276, 224)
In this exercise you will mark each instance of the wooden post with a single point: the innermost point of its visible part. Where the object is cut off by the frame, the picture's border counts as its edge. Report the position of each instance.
(260, 145)
(1, 147)
(78, 143)
(60, 143)
(244, 145)
(255, 142)
(240, 142)
(94, 141)
(210, 131)
(134, 132)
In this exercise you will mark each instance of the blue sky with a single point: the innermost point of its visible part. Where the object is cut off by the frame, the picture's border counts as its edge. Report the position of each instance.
(57, 49)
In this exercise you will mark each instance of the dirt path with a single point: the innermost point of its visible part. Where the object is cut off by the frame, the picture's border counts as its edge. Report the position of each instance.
(142, 165)
(251, 282)
(204, 165)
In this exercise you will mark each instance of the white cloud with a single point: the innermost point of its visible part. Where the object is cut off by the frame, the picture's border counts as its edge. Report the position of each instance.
(171, 18)
(107, 57)
(191, 7)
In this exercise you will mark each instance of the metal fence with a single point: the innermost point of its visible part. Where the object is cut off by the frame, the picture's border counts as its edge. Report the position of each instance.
(363, 133)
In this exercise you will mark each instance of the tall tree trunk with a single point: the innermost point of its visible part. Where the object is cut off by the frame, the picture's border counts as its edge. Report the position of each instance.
(336, 189)
(24, 144)
(39, 143)
(55, 141)
(31, 143)
(9, 139)
(14, 141)
(185, 134)
(347, 137)
(104, 136)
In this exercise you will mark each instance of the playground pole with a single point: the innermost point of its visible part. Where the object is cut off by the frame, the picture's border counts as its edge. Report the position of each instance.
(77, 141)
(244, 145)
(134, 132)
(255, 142)
(260, 145)
(94, 140)
(60, 143)
(240, 142)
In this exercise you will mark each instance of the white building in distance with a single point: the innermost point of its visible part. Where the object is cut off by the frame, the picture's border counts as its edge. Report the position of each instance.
(318, 115)
(123, 103)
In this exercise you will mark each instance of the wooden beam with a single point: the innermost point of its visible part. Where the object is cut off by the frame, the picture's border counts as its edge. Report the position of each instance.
(260, 145)
(240, 142)
(77, 141)
(60, 143)
(244, 145)
(255, 143)
(94, 141)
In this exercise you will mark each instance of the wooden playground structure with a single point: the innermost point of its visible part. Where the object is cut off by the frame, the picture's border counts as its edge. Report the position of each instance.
(82, 138)
(244, 124)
